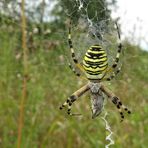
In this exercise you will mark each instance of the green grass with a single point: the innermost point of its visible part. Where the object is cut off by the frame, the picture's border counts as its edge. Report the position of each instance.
(50, 83)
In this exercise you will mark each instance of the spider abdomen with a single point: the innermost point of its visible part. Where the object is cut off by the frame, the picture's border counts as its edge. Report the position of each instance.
(95, 62)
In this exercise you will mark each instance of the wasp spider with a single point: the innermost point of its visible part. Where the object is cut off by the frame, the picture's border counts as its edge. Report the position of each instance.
(96, 69)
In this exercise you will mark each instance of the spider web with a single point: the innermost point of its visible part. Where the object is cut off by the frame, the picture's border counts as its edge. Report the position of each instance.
(88, 30)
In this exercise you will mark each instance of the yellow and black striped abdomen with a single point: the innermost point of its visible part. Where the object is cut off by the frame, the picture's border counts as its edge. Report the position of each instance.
(95, 62)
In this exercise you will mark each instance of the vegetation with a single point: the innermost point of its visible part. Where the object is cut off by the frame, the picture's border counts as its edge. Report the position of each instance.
(50, 82)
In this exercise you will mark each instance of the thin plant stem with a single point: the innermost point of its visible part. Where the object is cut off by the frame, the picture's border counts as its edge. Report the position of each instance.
(24, 88)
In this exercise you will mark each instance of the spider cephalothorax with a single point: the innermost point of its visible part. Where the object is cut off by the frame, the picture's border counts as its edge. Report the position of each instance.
(96, 69)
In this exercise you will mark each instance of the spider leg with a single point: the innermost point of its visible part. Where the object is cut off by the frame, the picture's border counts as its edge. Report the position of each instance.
(116, 61)
(112, 75)
(119, 48)
(76, 72)
(75, 60)
(119, 105)
(74, 97)
(116, 101)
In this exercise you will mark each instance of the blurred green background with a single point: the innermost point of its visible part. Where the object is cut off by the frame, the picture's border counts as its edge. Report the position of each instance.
(51, 81)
